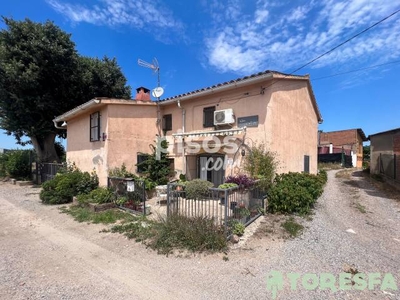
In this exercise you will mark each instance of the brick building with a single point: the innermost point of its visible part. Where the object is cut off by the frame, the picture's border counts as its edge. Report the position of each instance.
(349, 141)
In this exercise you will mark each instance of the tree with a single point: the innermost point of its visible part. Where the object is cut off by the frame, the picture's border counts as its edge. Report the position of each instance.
(42, 76)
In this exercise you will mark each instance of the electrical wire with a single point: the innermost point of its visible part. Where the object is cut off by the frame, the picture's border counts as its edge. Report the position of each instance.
(357, 70)
(334, 48)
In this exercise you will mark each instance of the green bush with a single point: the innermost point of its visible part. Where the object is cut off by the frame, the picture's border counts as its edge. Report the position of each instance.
(261, 163)
(99, 196)
(194, 234)
(237, 227)
(226, 186)
(3, 164)
(197, 188)
(294, 193)
(64, 186)
(17, 164)
(323, 176)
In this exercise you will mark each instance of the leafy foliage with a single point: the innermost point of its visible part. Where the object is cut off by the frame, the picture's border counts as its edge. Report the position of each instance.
(294, 193)
(83, 214)
(15, 163)
(292, 227)
(177, 232)
(157, 167)
(242, 180)
(99, 195)
(197, 188)
(42, 76)
(64, 186)
(237, 227)
(227, 186)
(261, 163)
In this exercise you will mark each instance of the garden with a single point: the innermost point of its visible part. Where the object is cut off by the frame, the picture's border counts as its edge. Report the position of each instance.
(199, 217)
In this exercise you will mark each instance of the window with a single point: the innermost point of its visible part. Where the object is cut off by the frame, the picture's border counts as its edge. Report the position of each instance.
(95, 127)
(167, 122)
(141, 157)
(208, 116)
(306, 164)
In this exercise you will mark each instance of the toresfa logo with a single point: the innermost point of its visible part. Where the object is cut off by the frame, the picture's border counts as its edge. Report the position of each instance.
(328, 281)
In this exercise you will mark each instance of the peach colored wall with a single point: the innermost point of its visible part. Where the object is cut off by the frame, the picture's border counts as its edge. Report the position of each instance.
(87, 155)
(294, 126)
(129, 129)
(288, 123)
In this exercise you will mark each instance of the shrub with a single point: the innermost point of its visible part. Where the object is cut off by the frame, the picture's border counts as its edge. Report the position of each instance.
(323, 176)
(294, 193)
(157, 165)
(18, 164)
(64, 186)
(227, 186)
(261, 163)
(197, 188)
(237, 228)
(194, 234)
(242, 180)
(3, 164)
(99, 196)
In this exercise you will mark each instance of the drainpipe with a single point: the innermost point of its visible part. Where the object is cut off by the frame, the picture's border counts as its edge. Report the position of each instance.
(58, 127)
(183, 131)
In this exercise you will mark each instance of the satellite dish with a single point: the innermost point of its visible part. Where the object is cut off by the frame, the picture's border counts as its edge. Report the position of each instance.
(157, 92)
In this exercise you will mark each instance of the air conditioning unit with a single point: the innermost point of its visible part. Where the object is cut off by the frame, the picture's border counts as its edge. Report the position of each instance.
(224, 116)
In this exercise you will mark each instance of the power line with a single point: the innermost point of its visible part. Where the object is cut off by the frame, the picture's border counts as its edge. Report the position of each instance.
(345, 42)
(336, 47)
(357, 70)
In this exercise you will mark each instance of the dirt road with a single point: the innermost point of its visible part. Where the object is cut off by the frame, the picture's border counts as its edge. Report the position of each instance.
(47, 255)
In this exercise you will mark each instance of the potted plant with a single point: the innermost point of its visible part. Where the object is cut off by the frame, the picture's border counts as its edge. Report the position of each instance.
(244, 182)
(225, 186)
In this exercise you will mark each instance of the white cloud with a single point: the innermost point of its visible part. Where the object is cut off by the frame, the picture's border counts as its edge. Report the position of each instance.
(284, 38)
(141, 14)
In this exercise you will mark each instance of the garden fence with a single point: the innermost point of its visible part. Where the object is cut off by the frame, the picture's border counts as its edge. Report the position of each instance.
(45, 171)
(221, 205)
(133, 192)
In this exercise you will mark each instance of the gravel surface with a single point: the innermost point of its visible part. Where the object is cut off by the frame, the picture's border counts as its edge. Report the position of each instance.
(47, 255)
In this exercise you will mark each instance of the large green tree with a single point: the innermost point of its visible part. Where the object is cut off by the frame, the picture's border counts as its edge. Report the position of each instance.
(42, 76)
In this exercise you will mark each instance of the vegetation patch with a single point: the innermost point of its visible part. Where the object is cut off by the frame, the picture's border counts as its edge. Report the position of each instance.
(292, 227)
(176, 232)
(295, 192)
(360, 207)
(83, 214)
(16, 164)
(70, 182)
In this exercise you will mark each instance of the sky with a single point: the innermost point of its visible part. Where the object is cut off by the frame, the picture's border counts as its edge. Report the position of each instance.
(205, 42)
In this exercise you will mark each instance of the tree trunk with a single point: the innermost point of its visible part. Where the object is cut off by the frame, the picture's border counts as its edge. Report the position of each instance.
(45, 149)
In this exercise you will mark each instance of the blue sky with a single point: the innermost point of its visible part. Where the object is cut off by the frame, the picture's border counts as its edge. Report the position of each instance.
(201, 43)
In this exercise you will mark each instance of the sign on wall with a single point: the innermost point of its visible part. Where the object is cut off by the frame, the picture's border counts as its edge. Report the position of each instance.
(250, 121)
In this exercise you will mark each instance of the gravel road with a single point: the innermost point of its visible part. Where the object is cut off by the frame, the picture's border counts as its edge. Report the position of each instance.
(47, 255)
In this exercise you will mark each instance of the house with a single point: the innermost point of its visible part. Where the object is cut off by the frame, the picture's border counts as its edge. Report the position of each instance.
(385, 153)
(349, 141)
(208, 130)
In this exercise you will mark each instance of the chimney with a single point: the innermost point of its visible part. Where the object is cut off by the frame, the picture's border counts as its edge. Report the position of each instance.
(142, 94)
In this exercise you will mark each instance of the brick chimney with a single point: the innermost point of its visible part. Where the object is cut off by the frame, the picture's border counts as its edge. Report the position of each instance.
(142, 94)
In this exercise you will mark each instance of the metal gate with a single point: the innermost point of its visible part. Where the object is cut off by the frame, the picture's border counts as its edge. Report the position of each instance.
(129, 193)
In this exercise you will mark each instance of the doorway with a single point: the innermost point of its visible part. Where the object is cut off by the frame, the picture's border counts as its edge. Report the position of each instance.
(211, 168)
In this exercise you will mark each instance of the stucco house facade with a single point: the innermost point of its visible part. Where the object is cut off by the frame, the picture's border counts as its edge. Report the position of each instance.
(385, 153)
(209, 131)
(349, 141)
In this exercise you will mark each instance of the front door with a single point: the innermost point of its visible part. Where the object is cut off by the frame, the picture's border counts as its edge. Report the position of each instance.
(211, 168)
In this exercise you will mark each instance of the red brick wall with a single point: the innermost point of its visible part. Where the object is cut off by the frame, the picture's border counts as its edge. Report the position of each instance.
(339, 138)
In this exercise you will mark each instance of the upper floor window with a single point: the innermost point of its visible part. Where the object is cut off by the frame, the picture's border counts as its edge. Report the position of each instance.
(167, 122)
(95, 127)
(208, 116)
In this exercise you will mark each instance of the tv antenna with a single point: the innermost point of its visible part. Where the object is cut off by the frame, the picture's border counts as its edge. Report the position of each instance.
(158, 91)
